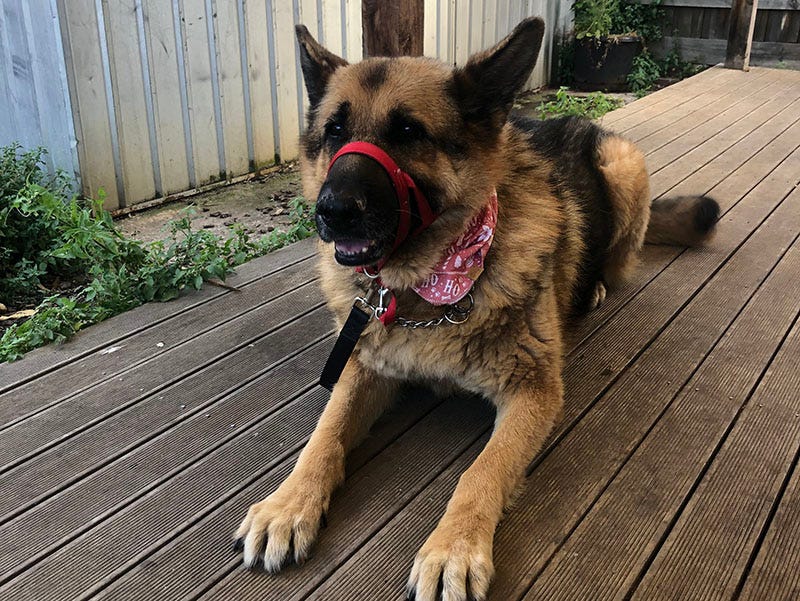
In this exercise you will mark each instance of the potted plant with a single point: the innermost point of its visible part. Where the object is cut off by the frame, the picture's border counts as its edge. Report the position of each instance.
(609, 35)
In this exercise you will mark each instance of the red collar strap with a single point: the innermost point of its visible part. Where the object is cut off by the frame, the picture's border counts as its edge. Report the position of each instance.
(404, 187)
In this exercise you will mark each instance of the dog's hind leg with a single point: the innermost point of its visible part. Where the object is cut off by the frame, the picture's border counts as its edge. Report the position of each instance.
(291, 516)
(623, 168)
(598, 296)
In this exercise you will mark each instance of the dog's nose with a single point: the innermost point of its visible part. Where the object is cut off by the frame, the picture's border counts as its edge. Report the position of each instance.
(337, 211)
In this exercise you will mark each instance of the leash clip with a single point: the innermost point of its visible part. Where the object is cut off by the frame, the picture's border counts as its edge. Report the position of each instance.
(383, 303)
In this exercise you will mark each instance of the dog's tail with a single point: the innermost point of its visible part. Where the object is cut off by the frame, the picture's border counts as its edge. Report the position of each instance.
(682, 220)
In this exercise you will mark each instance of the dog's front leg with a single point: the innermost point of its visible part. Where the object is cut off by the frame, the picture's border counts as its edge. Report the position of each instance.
(456, 560)
(291, 516)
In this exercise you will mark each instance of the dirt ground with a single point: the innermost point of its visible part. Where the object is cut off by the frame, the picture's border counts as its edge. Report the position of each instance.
(261, 204)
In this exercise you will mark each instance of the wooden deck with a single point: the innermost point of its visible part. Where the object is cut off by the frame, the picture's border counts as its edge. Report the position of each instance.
(129, 455)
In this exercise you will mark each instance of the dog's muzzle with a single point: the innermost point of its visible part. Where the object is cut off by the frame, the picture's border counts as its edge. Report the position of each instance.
(411, 200)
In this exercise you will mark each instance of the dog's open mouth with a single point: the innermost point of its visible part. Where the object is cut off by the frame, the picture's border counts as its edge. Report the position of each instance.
(354, 252)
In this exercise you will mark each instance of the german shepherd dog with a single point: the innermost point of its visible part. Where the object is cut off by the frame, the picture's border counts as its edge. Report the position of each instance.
(561, 208)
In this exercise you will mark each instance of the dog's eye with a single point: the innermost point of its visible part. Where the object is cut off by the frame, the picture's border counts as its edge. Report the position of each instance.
(334, 130)
(403, 129)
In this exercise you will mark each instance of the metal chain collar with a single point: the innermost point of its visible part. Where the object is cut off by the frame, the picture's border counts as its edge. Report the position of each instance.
(454, 314)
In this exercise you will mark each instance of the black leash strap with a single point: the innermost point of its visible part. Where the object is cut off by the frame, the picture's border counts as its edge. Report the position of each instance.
(343, 348)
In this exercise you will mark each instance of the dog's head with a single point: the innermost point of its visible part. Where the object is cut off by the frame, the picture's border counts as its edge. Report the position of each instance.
(440, 125)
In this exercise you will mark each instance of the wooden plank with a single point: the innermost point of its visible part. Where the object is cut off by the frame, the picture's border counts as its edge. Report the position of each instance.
(389, 565)
(167, 104)
(741, 181)
(192, 423)
(258, 59)
(378, 570)
(792, 31)
(722, 179)
(192, 495)
(384, 562)
(762, 4)
(90, 103)
(689, 152)
(724, 125)
(231, 86)
(564, 501)
(633, 514)
(111, 331)
(741, 484)
(365, 502)
(393, 28)
(73, 413)
(779, 133)
(202, 552)
(775, 574)
(655, 133)
(161, 513)
(112, 361)
(707, 105)
(713, 51)
(129, 100)
(682, 91)
(775, 22)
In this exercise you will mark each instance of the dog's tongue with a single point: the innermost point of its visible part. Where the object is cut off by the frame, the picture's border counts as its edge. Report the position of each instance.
(351, 247)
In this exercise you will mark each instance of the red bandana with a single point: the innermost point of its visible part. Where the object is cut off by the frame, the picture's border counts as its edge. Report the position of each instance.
(462, 262)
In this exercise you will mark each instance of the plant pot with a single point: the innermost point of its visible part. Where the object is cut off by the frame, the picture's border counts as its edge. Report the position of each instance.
(604, 63)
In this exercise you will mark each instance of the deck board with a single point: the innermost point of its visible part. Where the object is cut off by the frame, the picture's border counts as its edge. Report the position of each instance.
(673, 474)
(109, 332)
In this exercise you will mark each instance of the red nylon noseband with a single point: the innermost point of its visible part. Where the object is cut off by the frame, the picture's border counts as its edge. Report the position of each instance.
(404, 187)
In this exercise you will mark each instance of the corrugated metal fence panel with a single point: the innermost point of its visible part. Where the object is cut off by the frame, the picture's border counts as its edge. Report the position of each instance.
(455, 29)
(33, 90)
(170, 95)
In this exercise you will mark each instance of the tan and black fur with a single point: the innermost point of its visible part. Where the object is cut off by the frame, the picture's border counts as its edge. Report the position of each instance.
(574, 209)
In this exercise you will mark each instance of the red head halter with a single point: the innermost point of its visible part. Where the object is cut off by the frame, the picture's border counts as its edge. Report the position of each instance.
(405, 190)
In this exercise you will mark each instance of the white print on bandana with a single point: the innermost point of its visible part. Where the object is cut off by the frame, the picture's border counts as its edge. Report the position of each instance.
(462, 262)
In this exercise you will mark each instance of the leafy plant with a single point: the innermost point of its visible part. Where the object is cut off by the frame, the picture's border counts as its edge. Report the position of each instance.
(64, 255)
(593, 105)
(593, 18)
(672, 65)
(644, 73)
(605, 18)
(635, 18)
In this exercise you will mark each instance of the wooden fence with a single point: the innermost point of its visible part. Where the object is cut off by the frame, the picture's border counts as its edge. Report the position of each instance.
(699, 30)
(168, 96)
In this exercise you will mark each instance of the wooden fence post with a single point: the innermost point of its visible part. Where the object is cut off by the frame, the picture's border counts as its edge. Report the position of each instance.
(740, 34)
(393, 27)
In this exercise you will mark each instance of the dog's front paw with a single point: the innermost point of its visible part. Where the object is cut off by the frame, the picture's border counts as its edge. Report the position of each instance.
(286, 523)
(454, 564)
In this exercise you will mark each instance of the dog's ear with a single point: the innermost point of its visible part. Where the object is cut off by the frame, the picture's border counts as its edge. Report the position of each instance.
(317, 63)
(486, 86)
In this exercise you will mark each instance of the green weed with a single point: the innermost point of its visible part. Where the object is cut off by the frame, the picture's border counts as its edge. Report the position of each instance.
(64, 256)
(592, 106)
